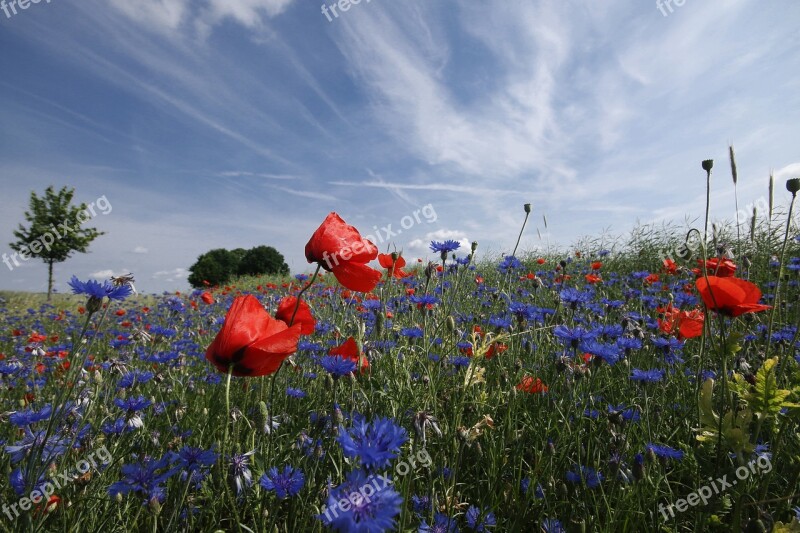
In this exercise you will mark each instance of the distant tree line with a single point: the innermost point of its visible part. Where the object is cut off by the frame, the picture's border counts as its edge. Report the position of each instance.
(218, 266)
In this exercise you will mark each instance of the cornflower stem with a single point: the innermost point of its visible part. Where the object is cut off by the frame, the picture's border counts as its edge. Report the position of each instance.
(776, 299)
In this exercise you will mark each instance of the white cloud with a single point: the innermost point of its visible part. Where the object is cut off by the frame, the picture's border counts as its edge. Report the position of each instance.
(162, 14)
(176, 274)
(421, 247)
(108, 274)
(140, 250)
(246, 12)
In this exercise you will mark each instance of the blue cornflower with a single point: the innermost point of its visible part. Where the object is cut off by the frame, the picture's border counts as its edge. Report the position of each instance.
(194, 463)
(337, 366)
(425, 301)
(573, 336)
(376, 444)
(586, 474)
(551, 525)
(647, 376)
(607, 352)
(499, 321)
(480, 521)
(19, 484)
(132, 378)
(796, 513)
(666, 452)
(445, 247)
(509, 262)
(441, 524)
(374, 504)
(27, 417)
(295, 393)
(284, 484)
(420, 504)
(573, 297)
(412, 333)
(146, 479)
(239, 474)
(51, 448)
(460, 360)
(97, 290)
(133, 404)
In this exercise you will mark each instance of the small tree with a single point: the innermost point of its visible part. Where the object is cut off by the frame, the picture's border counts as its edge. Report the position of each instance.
(262, 260)
(214, 267)
(55, 231)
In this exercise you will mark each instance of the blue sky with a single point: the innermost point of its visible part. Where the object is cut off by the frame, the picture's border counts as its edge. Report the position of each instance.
(235, 123)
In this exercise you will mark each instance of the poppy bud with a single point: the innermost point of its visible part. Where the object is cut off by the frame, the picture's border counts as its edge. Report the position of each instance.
(708, 164)
(379, 318)
(451, 324)
(527, 208)
(474, 246)
(793, 185)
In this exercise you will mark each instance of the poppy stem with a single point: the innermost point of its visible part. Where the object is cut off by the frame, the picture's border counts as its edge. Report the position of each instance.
(519, 238)
(303, 290)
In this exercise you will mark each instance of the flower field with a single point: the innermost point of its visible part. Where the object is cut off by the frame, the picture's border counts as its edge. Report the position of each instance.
(601, 388)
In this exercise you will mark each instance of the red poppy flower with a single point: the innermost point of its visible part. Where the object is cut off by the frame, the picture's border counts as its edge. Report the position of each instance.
(731, 296)
(687, 324)
(670, 266)
(724, 268)
(349, 350)
(597, 265)
(251, 342)
(593, 278)
(652, 278)
(338, 248)
(302, 317)
(207, 297)
(540, 261)
(393, 265)
(532, 385)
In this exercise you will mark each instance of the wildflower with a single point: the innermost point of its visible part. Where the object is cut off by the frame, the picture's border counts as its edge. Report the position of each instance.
(146, 479)
(207, 297)
(339, 248)
(441, 524)
(286, 313)
(97, 291)
(376, 444)
(587, 475)
(194, 463)
(251, 342)
(720, 267)
(372, 505)
(349, 350)
(445, 247)
(424, 420)
(647, 376)
(688, 324)
(338, 366)
(295, 393)
(480, 521)
(665, 451)
(50, 448)
(730, 296)
(284, 484)
(239, 474)
(551, 525)
(532, 385)
(393, 263)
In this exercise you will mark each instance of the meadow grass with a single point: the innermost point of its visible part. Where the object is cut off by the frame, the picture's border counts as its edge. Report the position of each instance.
(451, 352)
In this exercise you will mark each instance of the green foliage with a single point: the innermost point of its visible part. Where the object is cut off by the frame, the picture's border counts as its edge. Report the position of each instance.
(219, 266)
(214, 268)
(733, 429)
(765, 399)
(262, 260)
(55, 231)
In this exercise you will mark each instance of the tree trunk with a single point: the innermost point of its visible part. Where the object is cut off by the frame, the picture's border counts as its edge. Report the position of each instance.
(49, 280)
